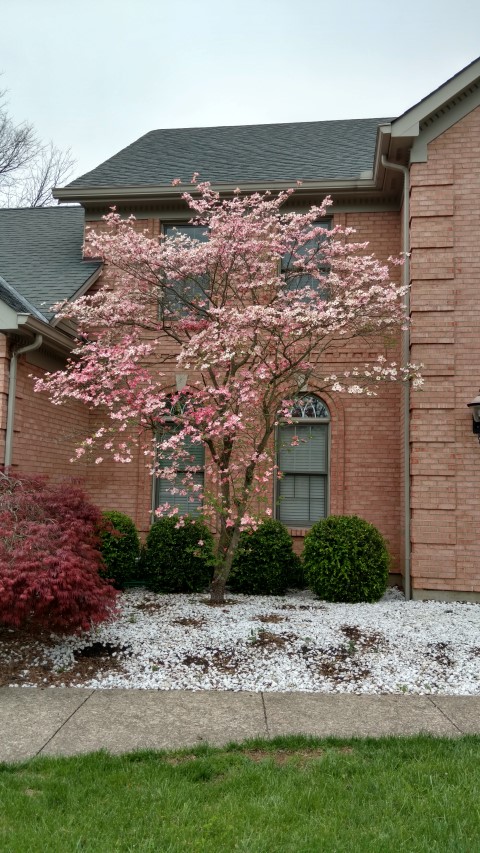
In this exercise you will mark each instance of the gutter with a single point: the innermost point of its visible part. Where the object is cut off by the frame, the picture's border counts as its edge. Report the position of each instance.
(58, 340)
(405, 360)
(12, 383)
(148, 192)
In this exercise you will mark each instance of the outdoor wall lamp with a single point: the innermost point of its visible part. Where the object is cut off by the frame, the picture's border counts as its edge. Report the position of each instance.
(181, 380)
(302, 381)
(475, 407)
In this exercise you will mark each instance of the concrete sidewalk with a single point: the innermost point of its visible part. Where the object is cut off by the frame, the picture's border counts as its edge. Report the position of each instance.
(67, 721)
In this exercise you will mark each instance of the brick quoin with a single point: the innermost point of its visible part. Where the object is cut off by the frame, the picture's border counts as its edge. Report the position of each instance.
(445, 271)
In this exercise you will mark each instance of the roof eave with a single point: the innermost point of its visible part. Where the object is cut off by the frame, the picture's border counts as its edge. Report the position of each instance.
(26, 305)
(162, 192)
(54, 338)
(408, 124)
(26, 326)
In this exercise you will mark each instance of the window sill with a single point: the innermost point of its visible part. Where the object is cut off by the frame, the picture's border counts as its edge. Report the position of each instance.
(298, 531)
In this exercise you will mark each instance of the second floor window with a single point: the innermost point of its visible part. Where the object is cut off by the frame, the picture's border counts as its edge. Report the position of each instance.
(196, 232)
(297, 282)
(180, 293)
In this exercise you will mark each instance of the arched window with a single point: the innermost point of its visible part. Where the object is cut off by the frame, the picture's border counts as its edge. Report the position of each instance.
(302, 490)
(187, 504)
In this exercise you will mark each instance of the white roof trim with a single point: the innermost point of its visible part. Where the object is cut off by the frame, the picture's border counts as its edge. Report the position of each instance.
(408, 123)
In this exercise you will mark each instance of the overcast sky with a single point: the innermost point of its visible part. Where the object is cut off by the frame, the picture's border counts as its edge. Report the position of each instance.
(94, 75)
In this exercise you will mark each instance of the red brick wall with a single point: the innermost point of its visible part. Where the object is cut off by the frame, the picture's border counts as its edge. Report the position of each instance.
(45, 435)
(44, 441)
(445, 272)
(365, 432)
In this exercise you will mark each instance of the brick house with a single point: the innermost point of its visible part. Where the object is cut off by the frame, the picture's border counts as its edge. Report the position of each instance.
(404, 461)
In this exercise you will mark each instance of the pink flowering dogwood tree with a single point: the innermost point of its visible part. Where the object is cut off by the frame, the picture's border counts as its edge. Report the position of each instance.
(251, 315)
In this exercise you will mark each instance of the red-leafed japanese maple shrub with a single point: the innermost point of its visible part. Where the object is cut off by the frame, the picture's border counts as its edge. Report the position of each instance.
(50, 557)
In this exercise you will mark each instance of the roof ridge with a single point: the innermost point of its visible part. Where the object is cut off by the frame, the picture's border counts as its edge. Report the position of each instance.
(288, 151)
(378, 119)
(55, 207)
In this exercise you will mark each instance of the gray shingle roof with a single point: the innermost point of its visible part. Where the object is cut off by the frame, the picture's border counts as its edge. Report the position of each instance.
(16, 301)
(314, 150)
(41, 254)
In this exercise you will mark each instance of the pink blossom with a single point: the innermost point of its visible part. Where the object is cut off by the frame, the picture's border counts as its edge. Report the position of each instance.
(231, 318)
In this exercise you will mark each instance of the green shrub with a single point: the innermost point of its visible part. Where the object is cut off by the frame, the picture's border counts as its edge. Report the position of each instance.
(264, 562)
(178, 559)
(120, 548)
(346, 559)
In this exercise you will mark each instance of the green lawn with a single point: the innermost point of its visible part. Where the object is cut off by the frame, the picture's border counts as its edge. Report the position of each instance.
(293, 794)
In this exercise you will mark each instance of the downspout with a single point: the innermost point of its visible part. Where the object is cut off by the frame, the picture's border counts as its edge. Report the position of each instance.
(405, 360)
(12, 385)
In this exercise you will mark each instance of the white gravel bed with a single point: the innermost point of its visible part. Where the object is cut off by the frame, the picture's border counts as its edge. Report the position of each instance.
(293, 642)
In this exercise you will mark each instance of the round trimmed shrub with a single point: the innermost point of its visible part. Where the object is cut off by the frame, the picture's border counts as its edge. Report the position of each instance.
(120, 548)
(264, 562)
(178, 559)
(346, 559)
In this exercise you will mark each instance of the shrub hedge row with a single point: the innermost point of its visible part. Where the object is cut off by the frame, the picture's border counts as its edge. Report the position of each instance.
(59, 557)
(344, 558)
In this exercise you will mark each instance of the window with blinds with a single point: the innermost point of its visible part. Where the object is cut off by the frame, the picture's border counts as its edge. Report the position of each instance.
(302, 489)
(188, 504)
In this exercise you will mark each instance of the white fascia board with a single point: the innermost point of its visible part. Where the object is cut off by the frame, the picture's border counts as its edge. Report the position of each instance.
(406, 123)
(10, 320)
(406, 130)
(445, 120)
(21, 323)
